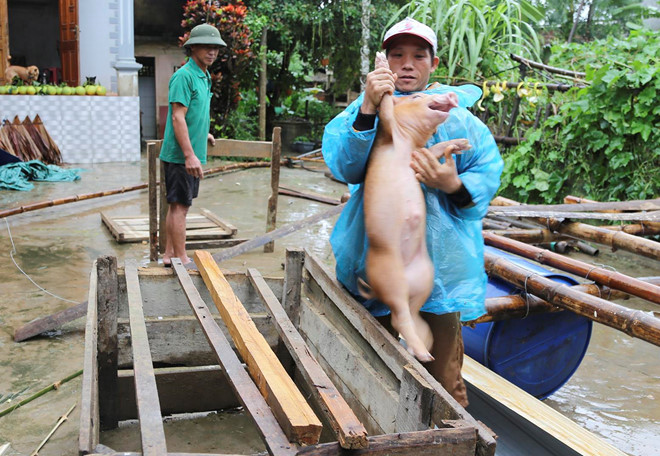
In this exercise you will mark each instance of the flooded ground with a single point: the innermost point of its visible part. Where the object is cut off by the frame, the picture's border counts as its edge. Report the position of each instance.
(614, 393)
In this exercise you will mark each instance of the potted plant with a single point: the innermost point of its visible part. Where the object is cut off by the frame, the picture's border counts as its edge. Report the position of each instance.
(302, 144)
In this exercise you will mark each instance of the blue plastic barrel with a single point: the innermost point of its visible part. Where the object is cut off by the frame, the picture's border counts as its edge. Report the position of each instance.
(538, 353)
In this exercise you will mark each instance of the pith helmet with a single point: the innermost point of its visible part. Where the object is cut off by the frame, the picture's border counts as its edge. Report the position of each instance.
(205, 34)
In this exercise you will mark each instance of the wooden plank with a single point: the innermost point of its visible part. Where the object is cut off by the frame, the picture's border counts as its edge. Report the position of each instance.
(276, 234)
(153, 200)
(308, 195)
(88, 436)
(218, 221)
(392, 353)
(415, 400)
(432, 442)
(162, 208)
(168, 346)
(50, 322)
(348, 429)
(214, 243)
(272, 434)
(293, 268)
(271, 215)
(593, 206)
(236, 148)
(181, 390)
(137, 229)
(367, 383)
(107, 221)
(152, 433)
(107, 350)
(652, 216)
(536, 412)
(291, 410)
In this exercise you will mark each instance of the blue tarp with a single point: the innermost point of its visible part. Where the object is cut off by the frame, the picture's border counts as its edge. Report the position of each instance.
(17, 176)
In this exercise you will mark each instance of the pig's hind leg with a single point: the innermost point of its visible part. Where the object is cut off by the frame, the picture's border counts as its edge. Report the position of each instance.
(387, 278)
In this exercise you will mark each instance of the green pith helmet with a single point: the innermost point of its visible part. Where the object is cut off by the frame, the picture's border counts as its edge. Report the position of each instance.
(205, 34)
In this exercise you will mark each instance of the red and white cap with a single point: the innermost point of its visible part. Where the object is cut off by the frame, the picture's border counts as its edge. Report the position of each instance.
(410, 26)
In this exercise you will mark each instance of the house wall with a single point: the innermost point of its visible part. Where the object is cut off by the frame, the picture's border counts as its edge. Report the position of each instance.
(99, 41)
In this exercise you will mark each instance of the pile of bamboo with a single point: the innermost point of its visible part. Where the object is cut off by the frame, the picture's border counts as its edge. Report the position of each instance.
(551, 224)
(29, 140)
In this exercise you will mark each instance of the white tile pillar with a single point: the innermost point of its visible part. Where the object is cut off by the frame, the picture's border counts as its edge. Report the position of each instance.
(126, 66)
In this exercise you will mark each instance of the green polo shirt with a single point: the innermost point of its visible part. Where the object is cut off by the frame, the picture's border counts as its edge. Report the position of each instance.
(191, 87)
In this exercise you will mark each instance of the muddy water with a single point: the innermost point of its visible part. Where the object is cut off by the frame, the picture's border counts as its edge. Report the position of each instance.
(614, 393)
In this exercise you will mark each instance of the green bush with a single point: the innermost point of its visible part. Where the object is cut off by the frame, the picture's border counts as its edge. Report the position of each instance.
(604, 142)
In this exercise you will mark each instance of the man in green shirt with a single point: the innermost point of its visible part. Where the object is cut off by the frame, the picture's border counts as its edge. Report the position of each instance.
(186, 134)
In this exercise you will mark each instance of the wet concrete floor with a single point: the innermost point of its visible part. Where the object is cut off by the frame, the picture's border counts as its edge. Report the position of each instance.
(614, 393)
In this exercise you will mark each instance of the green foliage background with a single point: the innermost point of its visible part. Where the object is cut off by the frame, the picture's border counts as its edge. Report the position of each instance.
(604, 141)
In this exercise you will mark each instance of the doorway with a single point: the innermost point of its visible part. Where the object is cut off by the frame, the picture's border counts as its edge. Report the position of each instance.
(147, 93)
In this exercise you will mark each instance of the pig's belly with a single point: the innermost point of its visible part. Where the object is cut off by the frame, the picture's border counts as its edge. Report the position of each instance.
(394, 207)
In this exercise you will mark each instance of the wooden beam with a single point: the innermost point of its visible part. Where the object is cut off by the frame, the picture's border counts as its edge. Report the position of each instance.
(107, 351)
(415, 400)
(276, 234)
(523, 404)
(152, 433)
(181, 390)
(236, 148)
(152, 159)
(162, 208)
(4, 40)
(88, 436)
(310, 196)
(350, 432)
(291, 410)
(271, 216)
(246, 391)
(50, 322)
(432, 442)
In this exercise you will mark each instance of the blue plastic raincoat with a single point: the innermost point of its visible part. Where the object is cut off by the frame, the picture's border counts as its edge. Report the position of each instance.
(453, 234)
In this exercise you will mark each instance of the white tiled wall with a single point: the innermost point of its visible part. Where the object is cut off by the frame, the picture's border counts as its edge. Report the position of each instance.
(87, 129)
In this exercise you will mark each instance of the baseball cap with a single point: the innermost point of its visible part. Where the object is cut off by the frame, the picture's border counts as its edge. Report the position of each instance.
(410, 26)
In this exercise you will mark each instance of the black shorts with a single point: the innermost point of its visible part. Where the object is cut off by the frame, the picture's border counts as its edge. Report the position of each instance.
(181, 187)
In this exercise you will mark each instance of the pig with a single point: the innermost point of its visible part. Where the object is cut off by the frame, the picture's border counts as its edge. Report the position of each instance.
(398, 267)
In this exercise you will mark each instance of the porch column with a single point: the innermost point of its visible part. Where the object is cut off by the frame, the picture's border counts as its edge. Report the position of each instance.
(126, 66)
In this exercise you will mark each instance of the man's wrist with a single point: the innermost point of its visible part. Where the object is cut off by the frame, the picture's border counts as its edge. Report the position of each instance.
(461, 197)
(364, 121)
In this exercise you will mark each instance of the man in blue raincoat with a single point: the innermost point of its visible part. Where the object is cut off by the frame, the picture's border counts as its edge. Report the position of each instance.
(457, 194)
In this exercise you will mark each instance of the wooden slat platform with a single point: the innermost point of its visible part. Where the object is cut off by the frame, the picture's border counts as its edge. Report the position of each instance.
(203, 226)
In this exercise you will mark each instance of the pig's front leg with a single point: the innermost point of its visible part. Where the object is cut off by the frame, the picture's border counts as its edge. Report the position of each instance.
(439, 149)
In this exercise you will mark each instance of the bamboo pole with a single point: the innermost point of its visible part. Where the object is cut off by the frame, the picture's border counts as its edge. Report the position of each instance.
(40, 393)
(143, 185)
(614, 239)
(635, 323)
(59, 423)
(518, 306)
(529, 236)
(601, 276)
(644, 228)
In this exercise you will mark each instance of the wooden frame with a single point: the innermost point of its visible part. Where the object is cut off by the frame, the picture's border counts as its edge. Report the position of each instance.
(222, 148)
(414, 397)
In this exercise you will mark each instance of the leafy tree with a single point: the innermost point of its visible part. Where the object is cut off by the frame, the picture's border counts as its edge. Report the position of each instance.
(598, 20)
(229, 69)
(604, 141)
